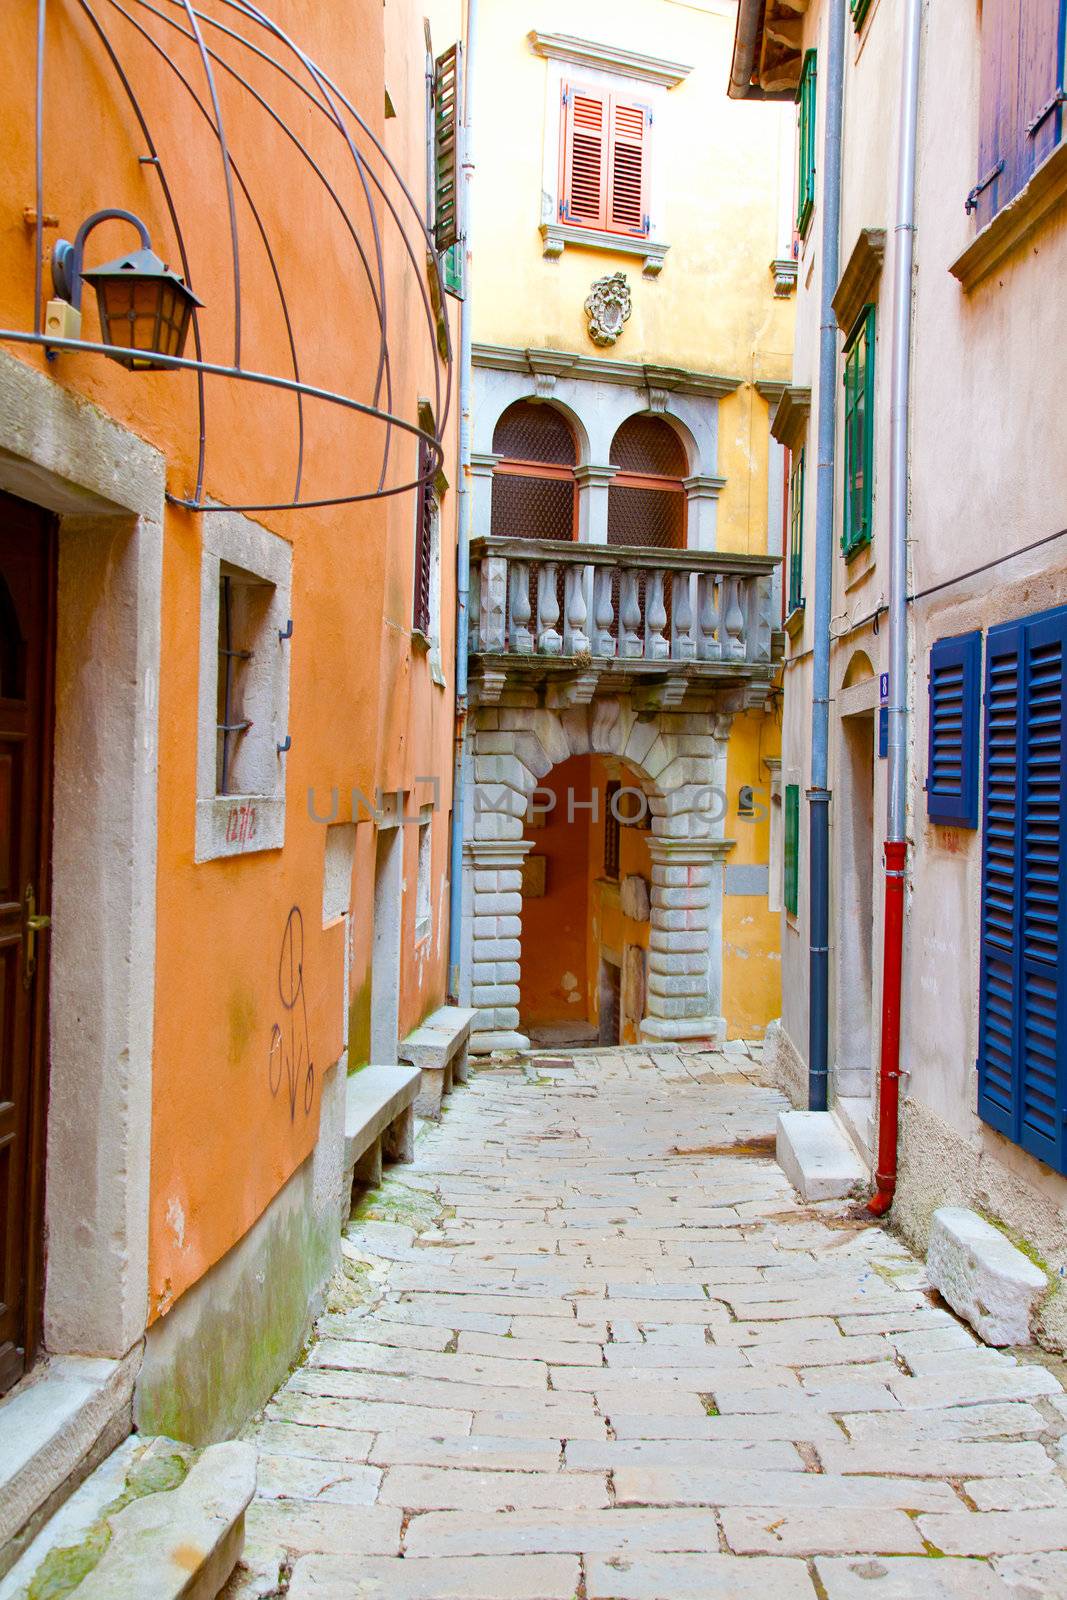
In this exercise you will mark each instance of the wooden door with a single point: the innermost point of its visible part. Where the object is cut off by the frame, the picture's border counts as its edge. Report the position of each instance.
(27, 588)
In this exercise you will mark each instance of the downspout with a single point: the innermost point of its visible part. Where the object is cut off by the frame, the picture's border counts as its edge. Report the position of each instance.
(463, 520)
(896, 779)
(819, 793)
(746, 34)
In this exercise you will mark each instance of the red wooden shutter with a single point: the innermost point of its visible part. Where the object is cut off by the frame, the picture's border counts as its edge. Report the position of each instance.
(628, 150)
(585, 142)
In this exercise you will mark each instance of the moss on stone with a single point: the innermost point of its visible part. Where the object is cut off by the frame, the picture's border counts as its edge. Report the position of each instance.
(156, 1470)
(359, 1026)
(63, 1569)
(242, 1342)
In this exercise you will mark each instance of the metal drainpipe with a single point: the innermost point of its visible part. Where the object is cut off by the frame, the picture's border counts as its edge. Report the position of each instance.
(896, 779)
(463, 516)
(819, 793)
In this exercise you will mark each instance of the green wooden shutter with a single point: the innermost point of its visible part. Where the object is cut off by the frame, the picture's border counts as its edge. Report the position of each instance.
(791, 850)
(452, 263)
(859, 433)
(796, 535)
(806, 143)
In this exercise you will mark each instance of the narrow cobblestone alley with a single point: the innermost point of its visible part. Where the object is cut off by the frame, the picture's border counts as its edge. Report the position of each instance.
(598, 1349)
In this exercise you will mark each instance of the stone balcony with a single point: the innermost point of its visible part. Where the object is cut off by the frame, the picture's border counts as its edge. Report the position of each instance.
(583, 619)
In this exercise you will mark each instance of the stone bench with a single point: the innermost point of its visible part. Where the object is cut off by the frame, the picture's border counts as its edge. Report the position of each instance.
(439, 1049)
(379, 1121)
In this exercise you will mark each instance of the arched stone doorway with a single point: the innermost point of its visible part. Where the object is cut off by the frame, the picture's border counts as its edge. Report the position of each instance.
(679, 760)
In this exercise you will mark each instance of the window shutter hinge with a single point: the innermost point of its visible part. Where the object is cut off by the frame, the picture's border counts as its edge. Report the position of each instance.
(971, 202)
(565, 99)
(1046, 111)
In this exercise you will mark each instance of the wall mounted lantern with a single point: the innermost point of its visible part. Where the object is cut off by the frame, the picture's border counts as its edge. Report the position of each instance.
(143, 306)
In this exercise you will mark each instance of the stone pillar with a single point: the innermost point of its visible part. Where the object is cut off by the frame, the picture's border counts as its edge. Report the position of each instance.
(701, 495)
(684, 989)
(489, 976)
(482, 467)
(593, 486)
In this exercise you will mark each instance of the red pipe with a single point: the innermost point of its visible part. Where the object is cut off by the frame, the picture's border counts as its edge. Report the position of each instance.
(889, 1066)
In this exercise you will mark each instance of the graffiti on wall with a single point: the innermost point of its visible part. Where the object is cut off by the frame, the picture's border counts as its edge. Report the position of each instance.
(290, 1040)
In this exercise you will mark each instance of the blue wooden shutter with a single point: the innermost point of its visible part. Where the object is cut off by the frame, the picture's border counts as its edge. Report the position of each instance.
(998, 983)
(1022, 1040)
(1043, 941)
(955, 694)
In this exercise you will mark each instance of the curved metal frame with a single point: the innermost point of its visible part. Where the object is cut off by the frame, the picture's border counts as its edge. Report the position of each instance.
(324, 95)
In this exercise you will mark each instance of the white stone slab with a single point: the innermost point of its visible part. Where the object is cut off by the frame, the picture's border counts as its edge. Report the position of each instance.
(816, 1156)
(984, 1278)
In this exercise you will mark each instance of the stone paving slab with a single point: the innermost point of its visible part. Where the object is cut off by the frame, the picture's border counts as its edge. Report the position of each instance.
(908, 1578)
(477, 1578)
(772, 1531)
(696, 1577)
(610, 1363)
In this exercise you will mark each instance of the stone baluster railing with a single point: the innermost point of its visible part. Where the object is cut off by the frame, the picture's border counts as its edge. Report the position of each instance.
(623, 603)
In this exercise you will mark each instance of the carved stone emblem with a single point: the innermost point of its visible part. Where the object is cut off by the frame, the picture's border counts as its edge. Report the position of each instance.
(608, 308)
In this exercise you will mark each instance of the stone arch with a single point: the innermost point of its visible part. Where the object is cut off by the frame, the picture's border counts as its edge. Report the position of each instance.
(688, 439)
(680, 760)
(501, 399)
(859, 669)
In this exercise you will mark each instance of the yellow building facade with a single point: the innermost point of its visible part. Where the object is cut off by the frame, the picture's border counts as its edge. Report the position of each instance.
(632, 276)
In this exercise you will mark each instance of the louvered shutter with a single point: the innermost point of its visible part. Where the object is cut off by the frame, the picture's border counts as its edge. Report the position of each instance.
(446, 93)
(954, 695)
(425, 511)
(627, 164)
(1020, 111)
(998, 981)
(1022, 1044)
(1043, 943)
(791, 848)
(585, 145)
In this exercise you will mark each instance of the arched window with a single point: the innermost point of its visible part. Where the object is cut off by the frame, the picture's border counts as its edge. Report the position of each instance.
(535, 495)
(646, 500)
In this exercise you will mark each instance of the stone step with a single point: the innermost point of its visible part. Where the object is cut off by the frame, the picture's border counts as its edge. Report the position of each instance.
(61, 1421)
(817, 1156)
(982, 1275)
(157, 1520)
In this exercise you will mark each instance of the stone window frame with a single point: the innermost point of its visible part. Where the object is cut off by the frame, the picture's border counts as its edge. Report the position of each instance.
(610, 71)
(242, 824)
(424, 875)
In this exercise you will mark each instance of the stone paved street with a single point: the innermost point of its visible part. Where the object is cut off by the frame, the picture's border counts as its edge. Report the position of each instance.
(596, 1348)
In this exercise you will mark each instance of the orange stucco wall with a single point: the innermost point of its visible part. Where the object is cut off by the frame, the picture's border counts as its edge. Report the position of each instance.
(363, 710)
(564, 932)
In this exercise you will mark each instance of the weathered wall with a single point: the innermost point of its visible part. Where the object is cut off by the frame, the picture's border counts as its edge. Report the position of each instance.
(364, 712)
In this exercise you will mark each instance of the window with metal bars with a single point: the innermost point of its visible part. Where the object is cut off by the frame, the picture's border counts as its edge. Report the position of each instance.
(646, 500)
(243, 605)
(604, 159)
(612, 829)
(426, 523)
(795, 600)
(859, 433)
(535, 494)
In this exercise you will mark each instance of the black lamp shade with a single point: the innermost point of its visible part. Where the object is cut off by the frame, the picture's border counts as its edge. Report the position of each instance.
(142, 305)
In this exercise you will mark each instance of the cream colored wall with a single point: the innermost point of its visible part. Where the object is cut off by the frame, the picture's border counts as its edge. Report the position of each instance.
(712, 308)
